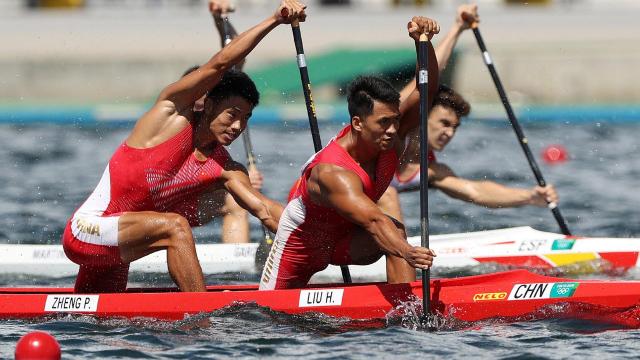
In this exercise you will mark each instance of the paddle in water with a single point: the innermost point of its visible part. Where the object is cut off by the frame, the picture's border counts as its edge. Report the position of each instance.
(311, 108)
(423, 86)
(522, 139)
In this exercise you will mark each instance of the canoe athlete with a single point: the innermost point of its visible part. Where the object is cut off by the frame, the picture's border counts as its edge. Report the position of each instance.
(332, 216)
(235, 221)
(159, 181)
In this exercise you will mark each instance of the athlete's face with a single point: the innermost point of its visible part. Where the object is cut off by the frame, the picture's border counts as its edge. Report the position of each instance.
(228, 118)
(442, 125)
(380, 129)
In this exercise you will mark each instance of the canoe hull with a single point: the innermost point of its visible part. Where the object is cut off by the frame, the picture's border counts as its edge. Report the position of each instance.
(509, 296)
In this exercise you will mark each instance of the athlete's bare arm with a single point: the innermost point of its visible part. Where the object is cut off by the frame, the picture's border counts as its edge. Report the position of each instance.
(410, 103)
(488, 193)
(188, 89)
(220, 9)
(175, 103)
(237, 183)
(333, 186)
(465, 16)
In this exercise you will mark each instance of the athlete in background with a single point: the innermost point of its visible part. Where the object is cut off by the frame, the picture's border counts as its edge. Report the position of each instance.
(448, 109)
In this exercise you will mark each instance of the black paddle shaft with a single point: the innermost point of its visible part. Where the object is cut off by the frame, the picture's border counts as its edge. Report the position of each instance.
(311, 110)
(227, 31)
(522, 139)
(423, 86)
(306, 87)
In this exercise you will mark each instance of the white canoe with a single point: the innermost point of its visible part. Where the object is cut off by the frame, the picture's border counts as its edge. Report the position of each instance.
(511, 247)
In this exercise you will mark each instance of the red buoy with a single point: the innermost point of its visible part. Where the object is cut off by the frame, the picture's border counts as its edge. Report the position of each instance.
(37, 345)
(554, 154)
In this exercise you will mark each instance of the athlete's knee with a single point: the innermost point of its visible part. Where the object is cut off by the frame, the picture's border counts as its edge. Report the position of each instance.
(179, 229)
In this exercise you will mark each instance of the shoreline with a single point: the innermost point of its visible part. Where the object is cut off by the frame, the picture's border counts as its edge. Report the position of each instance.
(295, 115)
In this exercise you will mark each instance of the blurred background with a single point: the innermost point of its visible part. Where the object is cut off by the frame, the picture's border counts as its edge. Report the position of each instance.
(105, 60)
(75, 74)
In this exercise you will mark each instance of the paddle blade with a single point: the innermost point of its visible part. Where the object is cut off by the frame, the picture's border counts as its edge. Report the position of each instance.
(262, 253)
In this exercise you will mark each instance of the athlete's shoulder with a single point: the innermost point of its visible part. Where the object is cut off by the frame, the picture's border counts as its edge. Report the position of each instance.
(335, 177)
(232, 165)
(329, 168)
(156, 126)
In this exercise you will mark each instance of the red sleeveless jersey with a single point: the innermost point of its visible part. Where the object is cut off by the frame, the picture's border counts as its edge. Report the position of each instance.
(165, 178)
(335, 154)
(308, 232)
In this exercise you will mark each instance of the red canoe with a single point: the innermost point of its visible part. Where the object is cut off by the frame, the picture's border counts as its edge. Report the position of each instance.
(509, 296)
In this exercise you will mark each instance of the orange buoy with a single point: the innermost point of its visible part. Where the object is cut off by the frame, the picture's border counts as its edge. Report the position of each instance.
(554, 154)
(37, 345)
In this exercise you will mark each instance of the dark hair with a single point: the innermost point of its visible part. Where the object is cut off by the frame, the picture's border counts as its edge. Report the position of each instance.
(450, 99)
(235, 83)
(364, 90)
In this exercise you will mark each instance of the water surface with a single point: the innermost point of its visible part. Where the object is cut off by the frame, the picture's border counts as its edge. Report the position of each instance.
(49, 170)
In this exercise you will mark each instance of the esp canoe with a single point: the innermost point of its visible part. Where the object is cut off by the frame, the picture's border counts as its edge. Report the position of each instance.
(522, 247)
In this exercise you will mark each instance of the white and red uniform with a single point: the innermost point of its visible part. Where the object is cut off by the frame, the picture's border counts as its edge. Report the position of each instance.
(165, 178)
(311, 236)
(413, 182)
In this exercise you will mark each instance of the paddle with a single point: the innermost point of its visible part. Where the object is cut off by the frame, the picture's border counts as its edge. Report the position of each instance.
(265, 245)
(423, 88)
(226, 36)
(311, 108)
(516, 127)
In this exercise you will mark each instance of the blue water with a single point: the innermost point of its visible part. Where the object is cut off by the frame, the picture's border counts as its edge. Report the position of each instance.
(48, 170)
